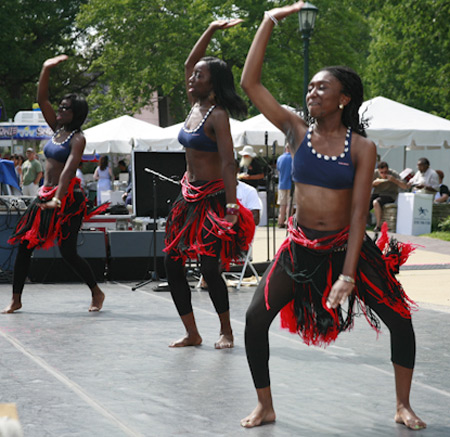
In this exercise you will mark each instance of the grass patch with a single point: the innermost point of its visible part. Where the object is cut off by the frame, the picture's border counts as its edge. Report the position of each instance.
(439, 235)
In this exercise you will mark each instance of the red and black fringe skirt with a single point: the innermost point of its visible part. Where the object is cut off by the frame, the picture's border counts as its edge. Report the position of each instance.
(43, 228)
(315, 264)
(197, 220)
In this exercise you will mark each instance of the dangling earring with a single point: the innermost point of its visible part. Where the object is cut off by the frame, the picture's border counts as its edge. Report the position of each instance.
(341, 106)
(212, 96)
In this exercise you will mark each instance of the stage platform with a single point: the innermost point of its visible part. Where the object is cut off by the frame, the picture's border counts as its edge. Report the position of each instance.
(74, 373)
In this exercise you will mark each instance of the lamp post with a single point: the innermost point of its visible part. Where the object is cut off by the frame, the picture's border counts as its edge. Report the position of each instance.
(307, 19)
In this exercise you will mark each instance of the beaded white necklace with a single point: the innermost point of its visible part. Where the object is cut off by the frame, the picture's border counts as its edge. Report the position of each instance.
(190, 131)
(327, 157)
(69, 137)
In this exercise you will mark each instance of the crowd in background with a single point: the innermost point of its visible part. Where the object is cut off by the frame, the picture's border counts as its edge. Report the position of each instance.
(253, 170)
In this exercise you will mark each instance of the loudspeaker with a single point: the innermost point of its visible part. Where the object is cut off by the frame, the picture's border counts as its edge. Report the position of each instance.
(48, 266)
(169, 164)
(131, 255)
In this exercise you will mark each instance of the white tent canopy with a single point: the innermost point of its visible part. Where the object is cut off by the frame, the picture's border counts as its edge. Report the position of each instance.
(116, 136)
(167, 138)
(392, 124)
(252, 132)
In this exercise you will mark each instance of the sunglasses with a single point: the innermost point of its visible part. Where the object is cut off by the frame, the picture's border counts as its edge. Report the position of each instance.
(63, 108)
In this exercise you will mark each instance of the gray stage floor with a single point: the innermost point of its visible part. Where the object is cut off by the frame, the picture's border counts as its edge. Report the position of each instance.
(74, 373)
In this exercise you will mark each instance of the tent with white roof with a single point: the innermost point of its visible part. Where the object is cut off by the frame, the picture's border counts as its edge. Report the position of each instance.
(117, 135)
(392, 124)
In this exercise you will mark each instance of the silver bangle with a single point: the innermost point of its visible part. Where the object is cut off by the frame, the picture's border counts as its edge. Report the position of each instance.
(275, 21)
(346, 278)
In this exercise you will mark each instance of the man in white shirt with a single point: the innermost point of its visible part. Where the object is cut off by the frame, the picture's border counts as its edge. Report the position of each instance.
(249, 198)
(426, 179)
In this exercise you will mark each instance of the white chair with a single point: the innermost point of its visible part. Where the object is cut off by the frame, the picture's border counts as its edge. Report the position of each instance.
(239, 274)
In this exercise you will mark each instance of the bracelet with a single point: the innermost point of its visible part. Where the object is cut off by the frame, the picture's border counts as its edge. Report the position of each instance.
(232, 206)
(57, 201)
(275, 21)
(232, 211)
(346, 278)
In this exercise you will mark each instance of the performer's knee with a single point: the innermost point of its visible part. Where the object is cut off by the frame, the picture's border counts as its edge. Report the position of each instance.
(68, 253)
(209, 267)
(403, 343)
(173, 266)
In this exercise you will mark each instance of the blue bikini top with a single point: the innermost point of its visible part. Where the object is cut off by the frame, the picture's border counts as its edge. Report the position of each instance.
(196, 138)
(59, 151)
(313, 168)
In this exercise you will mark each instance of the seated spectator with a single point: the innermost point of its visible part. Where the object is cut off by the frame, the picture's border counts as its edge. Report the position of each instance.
(250, 171)
(128, 195)
(386, 183)
(426, 179)
(443, 194)
(79, 174)
(248, 196)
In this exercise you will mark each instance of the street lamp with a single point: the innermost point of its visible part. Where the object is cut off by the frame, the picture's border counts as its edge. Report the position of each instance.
(307, 19)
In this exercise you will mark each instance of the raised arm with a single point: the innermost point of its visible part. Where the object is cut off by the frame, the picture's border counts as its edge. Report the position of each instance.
(42, 92)
(251, 75)
(199, 49)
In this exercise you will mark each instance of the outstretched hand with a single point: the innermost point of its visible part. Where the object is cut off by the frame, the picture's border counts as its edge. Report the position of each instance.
(225, 24)
(284, 11)
(53, 62)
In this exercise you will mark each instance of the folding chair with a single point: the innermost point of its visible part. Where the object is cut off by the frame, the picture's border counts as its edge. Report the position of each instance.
(238, 275)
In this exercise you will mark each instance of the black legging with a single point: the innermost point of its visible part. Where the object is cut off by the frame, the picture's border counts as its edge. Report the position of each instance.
(210, 269)
(68, 249)
(259, 319)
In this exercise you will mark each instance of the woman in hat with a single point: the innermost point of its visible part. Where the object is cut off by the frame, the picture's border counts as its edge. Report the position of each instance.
(55, 216)
(206, 221)
(327, 268)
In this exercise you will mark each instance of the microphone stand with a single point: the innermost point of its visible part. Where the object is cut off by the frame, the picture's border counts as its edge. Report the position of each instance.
(154, 275)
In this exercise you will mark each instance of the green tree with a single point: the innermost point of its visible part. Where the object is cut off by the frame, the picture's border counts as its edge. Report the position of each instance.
(143, 45)
(409, 58)
(30, 32)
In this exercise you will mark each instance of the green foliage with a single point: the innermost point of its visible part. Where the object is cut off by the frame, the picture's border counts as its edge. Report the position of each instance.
(123, 52)
(144, 43)
(30, 32)
(444, 225)
(409, 58)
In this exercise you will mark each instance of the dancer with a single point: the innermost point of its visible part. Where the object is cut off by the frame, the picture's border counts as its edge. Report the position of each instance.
(207, 221)
(327, 259)
(59, 208)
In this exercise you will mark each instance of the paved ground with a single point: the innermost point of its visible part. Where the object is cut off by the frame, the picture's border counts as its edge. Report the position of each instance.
(74, 373)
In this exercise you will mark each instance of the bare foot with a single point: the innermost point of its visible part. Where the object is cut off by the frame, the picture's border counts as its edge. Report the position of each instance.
(187, 340)
(259, 416)
(224, 342)
(97, 301)
(407, 417)
(13, 306)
